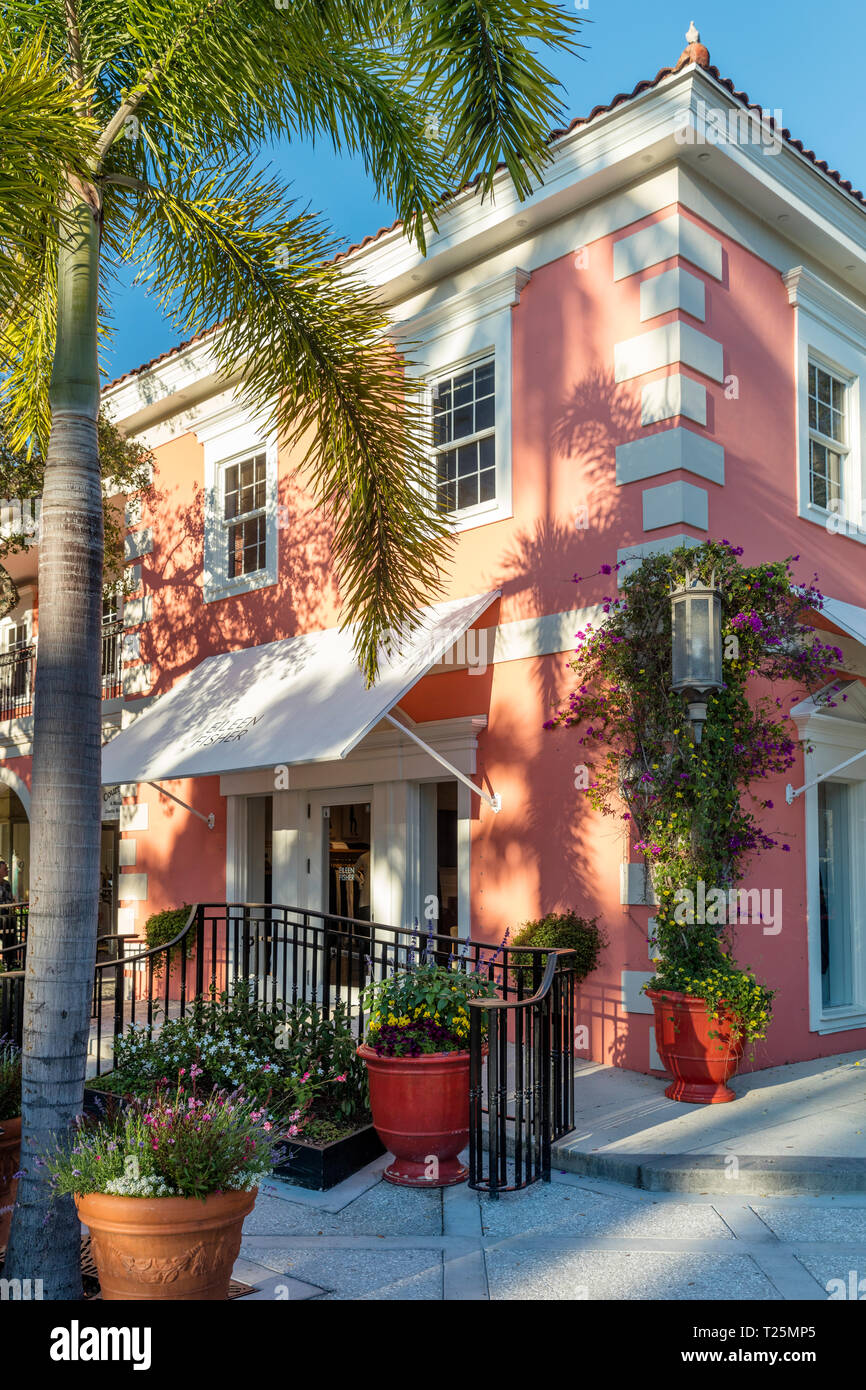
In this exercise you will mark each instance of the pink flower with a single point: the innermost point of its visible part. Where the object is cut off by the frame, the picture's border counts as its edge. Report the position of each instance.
(340, 1078)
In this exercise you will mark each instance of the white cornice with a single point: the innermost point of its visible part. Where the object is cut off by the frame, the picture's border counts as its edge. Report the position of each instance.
(458, 310)
(808, 291)
(626, 156)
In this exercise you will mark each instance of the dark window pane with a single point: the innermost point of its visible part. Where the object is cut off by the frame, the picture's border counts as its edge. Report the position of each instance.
(488, 451)
(467, 492)
(247, 547)
(484, 379)
(447, 466)
(467, 460)
(487, 485)
(462, 422)
(464, 388)
(485, 414)
(447, 497)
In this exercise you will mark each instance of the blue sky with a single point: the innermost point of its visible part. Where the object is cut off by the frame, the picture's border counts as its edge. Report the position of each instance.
(805, 59)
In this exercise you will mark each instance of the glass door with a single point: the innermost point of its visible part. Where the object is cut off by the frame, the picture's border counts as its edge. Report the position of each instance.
(837, 802)
(347, 848)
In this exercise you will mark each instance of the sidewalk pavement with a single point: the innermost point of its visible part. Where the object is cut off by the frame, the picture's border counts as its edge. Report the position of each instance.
(792, 1129)
(761, 1199)
(572, 1239)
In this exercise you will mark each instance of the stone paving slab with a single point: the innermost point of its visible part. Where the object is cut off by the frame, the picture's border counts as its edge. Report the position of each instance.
(561, 1274)
(573, 1239)
(563, 1210)
(385, 1210)
(363, 1274)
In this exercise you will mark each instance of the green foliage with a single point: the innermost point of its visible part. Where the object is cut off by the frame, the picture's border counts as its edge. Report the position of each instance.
(162, 927)
(691, 807)
(180, 96)
(296, 1060)
(565, 930)
(126, 472)
(10, 1081)
(423, 1010)
(729, 992)
(179, 1143)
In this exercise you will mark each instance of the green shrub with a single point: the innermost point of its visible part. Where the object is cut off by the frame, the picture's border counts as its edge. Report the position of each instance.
(565, 930)
(164, 926)
(290, 1058)
(10, 1081)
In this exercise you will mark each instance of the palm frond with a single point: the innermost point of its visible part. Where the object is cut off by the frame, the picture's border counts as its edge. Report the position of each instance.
(312, 349)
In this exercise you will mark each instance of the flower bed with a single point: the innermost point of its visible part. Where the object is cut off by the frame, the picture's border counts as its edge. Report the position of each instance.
(296, 1061)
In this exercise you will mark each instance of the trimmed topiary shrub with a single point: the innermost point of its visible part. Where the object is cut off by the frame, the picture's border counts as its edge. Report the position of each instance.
(565, 930)
(164, 926)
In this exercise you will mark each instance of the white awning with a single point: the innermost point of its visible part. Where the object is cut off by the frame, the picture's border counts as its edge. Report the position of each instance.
(301, 700)
(847, 616)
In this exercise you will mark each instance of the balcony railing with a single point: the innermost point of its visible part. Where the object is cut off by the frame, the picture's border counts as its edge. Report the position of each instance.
(112, 642)
(18, 670)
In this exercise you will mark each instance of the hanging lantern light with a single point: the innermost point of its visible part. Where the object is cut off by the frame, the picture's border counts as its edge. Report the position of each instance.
(696, 629)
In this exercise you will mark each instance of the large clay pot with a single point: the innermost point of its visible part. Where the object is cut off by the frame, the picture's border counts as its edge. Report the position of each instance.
(699, 1063)
(175, 1248)
(10, 1162)
(420, 1111)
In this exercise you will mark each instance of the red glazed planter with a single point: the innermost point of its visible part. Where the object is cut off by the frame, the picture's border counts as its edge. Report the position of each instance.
(699, 1064)
(420, 1111)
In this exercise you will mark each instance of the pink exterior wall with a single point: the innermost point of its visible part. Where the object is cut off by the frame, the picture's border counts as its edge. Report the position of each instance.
(546, 850)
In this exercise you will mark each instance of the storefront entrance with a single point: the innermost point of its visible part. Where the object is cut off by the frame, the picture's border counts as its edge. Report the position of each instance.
(15, 843)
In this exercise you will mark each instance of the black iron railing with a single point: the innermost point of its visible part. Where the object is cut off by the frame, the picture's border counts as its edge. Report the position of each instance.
(285, 955)
(18, 673)
(112, 651)
(13, 934)
(16, 682)
(521, 1079)
(13, 944)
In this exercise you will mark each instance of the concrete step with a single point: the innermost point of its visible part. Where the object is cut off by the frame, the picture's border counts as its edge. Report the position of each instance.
(718, 1174)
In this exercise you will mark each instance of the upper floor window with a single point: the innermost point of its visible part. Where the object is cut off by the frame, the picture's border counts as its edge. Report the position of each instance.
(464, 437)
(828, 437)
(244, 501)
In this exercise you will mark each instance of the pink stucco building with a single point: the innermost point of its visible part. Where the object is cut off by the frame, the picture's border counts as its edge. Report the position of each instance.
(667, 340)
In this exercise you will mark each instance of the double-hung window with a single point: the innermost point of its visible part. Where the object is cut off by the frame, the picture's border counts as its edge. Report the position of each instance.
(828, 437)
(464, 438)
(244, 501)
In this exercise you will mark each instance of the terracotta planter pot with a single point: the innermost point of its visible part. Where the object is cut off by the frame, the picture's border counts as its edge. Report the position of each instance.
(10, 1162)
(173, 1248)
(420, 1110)
(700, 1064)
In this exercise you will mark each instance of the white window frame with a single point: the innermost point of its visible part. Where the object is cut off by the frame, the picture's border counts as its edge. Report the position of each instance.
(228, 523)
(443, 339)
(842, 448)
(831, 334)
(829, 741)
(480, 510)
(231, 437)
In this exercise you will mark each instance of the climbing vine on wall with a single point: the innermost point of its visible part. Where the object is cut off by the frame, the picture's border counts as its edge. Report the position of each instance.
(692, 808)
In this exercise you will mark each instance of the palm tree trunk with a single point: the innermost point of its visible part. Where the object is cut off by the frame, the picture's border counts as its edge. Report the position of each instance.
(67, 737)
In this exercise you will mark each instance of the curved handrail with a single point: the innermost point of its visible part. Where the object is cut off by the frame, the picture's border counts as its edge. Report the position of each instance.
(553, 953)
(151, 950)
